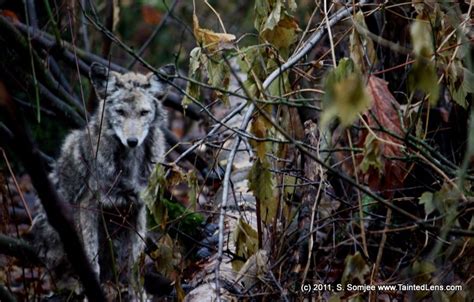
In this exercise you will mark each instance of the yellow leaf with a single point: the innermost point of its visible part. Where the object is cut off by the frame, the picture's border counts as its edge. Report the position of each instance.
(259, 129)
(246, 243)
(346, 95)
(372, 155)
(284, 34)
(209, 39)
(421, 36)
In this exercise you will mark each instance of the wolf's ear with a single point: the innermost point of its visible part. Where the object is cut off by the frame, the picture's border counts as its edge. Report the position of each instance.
(101, 79)
(159, 86)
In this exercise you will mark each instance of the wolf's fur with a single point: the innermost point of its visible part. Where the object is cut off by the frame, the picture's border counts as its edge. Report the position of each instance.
(103, 168)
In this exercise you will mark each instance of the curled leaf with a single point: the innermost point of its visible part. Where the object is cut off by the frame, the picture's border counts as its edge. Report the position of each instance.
(246, 243)
(211, 40)
(361, 46)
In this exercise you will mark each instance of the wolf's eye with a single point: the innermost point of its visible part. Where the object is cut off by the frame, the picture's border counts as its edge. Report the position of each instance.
(144, 112)
(120, 112)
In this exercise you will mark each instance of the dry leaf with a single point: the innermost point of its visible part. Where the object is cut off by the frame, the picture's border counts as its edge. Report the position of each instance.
(209, 39)
(383, 113)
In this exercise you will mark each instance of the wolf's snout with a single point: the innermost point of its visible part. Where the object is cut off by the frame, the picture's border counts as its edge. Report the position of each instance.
(132, 142)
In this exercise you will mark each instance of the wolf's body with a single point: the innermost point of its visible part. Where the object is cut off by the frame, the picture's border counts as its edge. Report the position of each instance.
(103, 168)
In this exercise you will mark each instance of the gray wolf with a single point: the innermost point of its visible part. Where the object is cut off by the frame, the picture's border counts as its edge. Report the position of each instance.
(102, 170)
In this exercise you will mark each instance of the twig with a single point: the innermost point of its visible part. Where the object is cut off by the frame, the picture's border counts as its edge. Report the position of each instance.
(20, 192)
(57, 34)
(109, 24)
(31, 9)
(378, 260)
(328, 26)
(84, 31)
(359, 199)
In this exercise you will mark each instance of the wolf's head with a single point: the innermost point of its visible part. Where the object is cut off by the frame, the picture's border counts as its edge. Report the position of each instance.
(130, 102)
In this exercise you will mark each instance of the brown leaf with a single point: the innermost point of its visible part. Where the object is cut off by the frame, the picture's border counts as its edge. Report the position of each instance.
(209, 39)
(384, 113)
(284, 34)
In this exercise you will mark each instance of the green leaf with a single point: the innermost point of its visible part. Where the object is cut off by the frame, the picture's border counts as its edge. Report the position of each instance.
(193, 90)
(459, 95)
(154, 194)
(368, 203)
(423, 75)
(218, 73)
(195, 60)
(427, 200)
(424, 78)
(262, 9)
(163, 210)
(468, 82)
(372, 155)
(346, 96)
(192, 181)
(262, 185)
(279, 86)
(442, 201)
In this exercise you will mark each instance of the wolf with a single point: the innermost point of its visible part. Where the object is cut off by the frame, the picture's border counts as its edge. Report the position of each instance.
(103, 168)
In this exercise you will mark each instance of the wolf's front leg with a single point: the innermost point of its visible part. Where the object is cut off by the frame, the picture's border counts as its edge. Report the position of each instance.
(88, 224)
(129, 241)
(139, 238)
